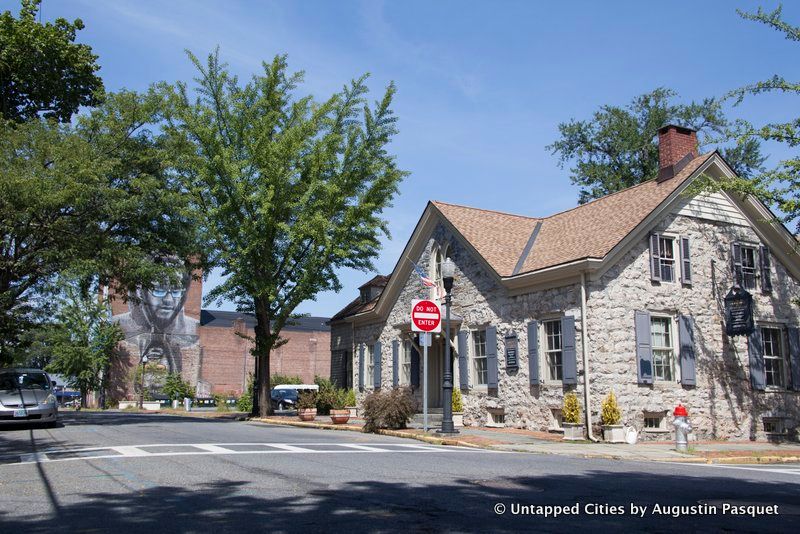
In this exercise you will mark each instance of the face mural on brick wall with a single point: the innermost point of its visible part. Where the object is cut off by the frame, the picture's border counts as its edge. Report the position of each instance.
(156, 325)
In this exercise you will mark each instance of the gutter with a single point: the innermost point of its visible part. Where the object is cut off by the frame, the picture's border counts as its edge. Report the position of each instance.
(584, 353)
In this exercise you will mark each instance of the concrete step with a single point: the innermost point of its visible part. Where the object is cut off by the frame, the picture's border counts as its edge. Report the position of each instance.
(434, 419)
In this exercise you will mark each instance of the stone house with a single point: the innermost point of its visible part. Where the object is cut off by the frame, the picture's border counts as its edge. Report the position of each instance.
(624, 293)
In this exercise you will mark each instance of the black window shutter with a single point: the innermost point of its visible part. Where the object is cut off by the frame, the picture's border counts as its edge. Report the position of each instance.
(395, 363)
(491, 357)
(686, 262)
(414, 366)
(794, 355)
(533, 352)
(361, 367)
(655, 259)
(644, 349)
(688, 357)
(568, 350)
(755, 353)
(463, 360)
(376, 358)
(766, 273)
(736, 263)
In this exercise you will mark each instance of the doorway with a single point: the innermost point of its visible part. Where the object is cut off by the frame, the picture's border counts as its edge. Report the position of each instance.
(435, 372)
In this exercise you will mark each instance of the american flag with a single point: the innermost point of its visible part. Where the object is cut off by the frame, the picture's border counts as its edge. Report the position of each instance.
(427, 282)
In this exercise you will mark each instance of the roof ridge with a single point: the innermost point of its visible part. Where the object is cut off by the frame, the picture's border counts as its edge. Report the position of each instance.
(595, 200)
(435, 202)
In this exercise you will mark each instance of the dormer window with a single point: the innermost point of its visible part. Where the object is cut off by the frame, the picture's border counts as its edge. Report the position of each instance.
(365, 295)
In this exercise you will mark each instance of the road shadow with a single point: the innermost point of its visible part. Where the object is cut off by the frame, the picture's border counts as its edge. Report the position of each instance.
(461, 505)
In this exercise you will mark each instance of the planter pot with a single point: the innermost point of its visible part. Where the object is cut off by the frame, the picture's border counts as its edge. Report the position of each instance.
(572, 431)
(458, 419)
(307, 414)
(128, 404)
(613, 434)
(340, 417)
(353, 411)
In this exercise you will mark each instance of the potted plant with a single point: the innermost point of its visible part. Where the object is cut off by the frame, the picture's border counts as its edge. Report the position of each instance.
(339, 412)
(458, 408)
(306, 406)
(571, 412)
(610, 417)
(350, 402)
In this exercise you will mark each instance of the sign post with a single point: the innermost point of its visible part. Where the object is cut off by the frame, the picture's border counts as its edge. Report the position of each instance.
(425, 318)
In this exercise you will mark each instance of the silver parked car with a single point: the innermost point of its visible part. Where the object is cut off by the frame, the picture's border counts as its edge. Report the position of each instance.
(26, 396)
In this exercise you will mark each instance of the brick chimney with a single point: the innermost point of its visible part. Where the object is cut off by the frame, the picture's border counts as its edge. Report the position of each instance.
(677, 146)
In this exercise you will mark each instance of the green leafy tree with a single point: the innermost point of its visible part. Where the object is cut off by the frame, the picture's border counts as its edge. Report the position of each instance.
(95, 198)
(82, 339)
(290, 189)
(176, 388)
(780, 186)
(43, 72)
(618, 147)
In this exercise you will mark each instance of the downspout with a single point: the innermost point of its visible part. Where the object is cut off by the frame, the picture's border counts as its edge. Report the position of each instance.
(585, 355)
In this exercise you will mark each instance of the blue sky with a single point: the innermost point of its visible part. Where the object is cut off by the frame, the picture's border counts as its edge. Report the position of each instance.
(481, 86)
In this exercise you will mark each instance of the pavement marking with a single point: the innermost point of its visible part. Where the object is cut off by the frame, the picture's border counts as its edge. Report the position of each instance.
(787, 470)
(206, 449)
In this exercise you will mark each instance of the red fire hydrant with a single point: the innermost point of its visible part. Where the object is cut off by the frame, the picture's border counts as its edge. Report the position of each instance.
(682, 428)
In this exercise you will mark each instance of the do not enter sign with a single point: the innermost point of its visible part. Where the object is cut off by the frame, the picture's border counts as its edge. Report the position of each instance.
(425, 316)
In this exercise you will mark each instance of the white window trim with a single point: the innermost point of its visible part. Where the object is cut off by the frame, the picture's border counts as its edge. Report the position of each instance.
(405, 348)
(369, 367)
(676, 258)
(676, 348)
(784, 355)
(473, 375)
(663, 428)
(544, 368)
(756, 263)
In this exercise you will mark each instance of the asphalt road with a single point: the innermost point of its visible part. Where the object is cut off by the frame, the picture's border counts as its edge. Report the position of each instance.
(103, 472)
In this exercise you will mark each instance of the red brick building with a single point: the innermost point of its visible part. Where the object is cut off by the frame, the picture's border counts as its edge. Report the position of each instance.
(209, 348)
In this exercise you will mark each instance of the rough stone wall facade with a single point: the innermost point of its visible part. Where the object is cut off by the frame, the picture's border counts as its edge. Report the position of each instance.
(722, 404)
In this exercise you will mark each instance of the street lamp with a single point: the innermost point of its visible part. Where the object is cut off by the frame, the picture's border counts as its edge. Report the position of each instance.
(448, 271)
(141, 389)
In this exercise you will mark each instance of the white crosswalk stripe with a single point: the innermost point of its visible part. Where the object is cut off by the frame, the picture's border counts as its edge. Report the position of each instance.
(155, 450)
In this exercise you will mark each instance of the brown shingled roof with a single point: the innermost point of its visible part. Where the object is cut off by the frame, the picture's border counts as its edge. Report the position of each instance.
(355, 307)
(587, 231)
(378, 281)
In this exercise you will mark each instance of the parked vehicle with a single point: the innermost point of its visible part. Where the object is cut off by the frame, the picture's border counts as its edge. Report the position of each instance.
(26, 396)
(284, 396)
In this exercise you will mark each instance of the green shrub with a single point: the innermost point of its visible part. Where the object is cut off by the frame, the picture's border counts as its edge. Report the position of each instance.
(610, 414)
(458, 402)
(221, 401)
(571, 412)
(306, 400)
(391, 409)
(339, 400)
(245, 402)
(350, 399)
(276, 380)
(326, 396)
(176, 388)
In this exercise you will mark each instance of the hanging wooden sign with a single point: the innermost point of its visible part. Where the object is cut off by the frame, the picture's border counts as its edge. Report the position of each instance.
(739, 312)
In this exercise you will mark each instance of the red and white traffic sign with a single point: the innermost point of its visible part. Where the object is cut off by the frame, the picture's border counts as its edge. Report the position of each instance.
(425, 316)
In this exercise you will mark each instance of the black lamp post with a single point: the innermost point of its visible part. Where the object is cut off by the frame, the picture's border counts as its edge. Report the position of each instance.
(141, 390)
(448, 271)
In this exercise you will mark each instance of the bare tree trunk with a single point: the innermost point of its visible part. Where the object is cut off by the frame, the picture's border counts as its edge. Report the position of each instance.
(263, 331)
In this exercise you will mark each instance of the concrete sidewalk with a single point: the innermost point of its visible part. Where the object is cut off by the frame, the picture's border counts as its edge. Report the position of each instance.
(518, 440)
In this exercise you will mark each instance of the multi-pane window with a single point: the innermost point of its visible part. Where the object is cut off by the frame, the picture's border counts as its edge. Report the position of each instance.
(666, 253)
(405, 364)
(749, 267)
(553, 355)
(662, 341)
(774, 358)
(480, 368)
(654, 421)
(369, 378)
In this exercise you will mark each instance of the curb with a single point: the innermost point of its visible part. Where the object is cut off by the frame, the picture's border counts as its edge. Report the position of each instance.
(393, 433)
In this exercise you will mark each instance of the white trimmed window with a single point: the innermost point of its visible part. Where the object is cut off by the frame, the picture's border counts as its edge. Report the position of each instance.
(663, 342)
(749, 267)
(440, 253)
(369, 378)
(666, 253)
(405, 364)
(553, 355)
(480, 370)
(774, 357)
(655, 422)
